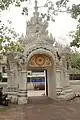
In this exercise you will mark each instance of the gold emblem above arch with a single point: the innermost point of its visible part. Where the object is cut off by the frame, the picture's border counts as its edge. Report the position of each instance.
(39, 60)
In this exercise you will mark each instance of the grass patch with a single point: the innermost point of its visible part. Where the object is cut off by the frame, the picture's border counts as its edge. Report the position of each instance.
(4, 108)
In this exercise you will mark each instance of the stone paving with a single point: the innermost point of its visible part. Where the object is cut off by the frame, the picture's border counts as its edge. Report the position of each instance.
(36, 92)
(42, 108)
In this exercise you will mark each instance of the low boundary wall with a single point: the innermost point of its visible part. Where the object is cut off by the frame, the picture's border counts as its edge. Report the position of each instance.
(75, 85)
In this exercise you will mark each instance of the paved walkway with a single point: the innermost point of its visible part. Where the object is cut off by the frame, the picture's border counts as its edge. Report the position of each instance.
(42, 108)
(36, 93)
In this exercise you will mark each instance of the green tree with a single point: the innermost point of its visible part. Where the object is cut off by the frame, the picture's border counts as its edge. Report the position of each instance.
(52, 7)
(75, 13)
(75, 60)
(75, 38)
(4, 4)
(9, 40)
(7, 35)
(13, 46)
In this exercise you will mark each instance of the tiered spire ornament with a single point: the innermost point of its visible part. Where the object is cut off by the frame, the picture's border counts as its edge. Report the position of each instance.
(36, 31)
(36, 13)
(36, 6)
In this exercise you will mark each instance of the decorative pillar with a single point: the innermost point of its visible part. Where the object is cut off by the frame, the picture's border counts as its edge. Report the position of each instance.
(59, 78)
(22, 93)
(67, 88)
(64, 91)
(12, 86)
(51, 82)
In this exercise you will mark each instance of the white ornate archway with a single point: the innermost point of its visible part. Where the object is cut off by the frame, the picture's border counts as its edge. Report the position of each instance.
(39, 52)
(44, 61)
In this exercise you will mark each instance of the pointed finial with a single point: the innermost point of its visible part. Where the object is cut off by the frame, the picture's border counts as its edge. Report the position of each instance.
(36, 13)
(36, 7)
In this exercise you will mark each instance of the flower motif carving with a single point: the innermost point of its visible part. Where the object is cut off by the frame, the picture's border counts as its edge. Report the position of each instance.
(39, 60)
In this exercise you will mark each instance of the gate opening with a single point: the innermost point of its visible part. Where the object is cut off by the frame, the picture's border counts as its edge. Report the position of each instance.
(37, 83)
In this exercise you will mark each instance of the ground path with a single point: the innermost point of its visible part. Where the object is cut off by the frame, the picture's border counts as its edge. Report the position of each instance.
(42, 108)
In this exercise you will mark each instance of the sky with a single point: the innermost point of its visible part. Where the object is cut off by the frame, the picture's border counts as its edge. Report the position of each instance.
(60, 28)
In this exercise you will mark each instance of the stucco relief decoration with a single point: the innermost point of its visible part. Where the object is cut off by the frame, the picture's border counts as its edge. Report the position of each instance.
(36, 31)
(39, 61)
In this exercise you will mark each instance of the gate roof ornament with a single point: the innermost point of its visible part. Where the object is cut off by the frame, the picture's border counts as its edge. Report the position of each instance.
(36, 13)
(36, 30)
(37, 36)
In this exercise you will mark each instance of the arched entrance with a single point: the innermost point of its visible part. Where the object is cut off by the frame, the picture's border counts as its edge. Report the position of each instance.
(38, 60)
(39, 53)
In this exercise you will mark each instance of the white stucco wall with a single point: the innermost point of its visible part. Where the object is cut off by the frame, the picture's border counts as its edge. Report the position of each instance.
(75, 85)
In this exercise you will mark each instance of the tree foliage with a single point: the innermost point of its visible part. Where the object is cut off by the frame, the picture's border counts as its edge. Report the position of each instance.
(76, 38)
(75, 12)
(75, 60)
(13, 47)
(53, 7)
(7, 37)
(4, 4)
